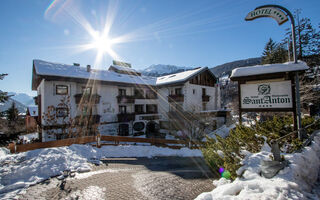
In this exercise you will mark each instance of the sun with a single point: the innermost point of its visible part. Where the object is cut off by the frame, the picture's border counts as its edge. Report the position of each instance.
(102, 43)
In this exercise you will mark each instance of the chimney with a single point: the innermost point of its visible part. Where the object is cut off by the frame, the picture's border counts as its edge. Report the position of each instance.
(76, 64)
(88, 68)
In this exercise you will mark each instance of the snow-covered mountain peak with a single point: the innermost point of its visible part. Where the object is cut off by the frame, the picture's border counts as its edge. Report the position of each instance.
(161, 69)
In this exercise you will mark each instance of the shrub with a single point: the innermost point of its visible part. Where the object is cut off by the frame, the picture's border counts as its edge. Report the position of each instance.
(228, 152)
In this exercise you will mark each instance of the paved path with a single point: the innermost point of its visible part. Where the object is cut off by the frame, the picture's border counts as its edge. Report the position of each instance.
(131, 178)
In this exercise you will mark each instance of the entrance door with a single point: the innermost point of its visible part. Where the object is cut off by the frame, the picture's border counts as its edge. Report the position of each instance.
(123, 129)
(152, 129)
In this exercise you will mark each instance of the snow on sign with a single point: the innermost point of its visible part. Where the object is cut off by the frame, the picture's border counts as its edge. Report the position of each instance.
(266, 95)
(272, 12)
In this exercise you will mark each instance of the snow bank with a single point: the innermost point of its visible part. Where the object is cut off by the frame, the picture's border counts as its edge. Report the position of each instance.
(293, 182)
(3, 152)
(21, 170)
(223, 131)
(28, 137)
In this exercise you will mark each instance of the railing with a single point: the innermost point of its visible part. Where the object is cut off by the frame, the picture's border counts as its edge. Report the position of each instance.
(115, 140)
(57, 143)
(125, 99)
(126, 117)
(205, 98)
(84, 98)
(176, 98)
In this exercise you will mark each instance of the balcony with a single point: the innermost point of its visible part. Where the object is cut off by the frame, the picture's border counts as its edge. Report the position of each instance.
(126, 117)
(139, 96)
(205, 98)
(176, 98)
(87, 119)
(92, 99)
(125, 99)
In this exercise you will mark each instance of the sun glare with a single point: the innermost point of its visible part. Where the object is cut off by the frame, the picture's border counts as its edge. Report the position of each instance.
(102, 43)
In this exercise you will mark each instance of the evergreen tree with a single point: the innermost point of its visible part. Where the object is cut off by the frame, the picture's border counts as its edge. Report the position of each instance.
(307, 37)
(12, 113)
(3, 95)
(274, 53)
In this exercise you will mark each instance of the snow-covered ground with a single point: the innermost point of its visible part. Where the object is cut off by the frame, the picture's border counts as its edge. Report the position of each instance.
(294, 182)
(28, 137)
(21, 170)
(223, 131)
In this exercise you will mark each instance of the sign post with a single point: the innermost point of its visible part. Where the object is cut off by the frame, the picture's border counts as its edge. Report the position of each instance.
(280, 14)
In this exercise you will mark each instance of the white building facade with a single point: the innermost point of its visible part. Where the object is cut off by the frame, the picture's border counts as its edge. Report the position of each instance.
(118, 101)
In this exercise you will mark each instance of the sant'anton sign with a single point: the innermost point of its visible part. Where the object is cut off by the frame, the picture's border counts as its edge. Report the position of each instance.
(266, 95)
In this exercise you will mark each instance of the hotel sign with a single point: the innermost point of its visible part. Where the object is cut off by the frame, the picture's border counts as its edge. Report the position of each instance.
(266, 95)
(272, 12)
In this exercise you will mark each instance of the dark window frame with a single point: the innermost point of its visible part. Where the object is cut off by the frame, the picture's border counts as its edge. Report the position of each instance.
(62, 86)
(178, 91)
(86, 88)
(139, 110)
(122, 93)
(152, 108)
(120, 109)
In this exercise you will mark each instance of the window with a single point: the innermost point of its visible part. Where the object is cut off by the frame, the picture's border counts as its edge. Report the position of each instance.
(193, 91)
(61, 112)
(151, 94)
(138, 93)
(178, 91)
(138, 108)
(122, 109)
(86, 110)
(61, 89)
(122, 92)
(204, 93)
(152, 108)
(86, 90)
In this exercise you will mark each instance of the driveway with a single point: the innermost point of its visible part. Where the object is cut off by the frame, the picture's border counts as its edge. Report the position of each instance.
(132, 178)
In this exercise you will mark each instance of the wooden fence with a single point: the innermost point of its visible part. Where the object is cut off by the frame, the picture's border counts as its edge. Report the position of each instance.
(111, 140)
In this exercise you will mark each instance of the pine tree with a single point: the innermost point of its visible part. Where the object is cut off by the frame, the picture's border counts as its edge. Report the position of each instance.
(307, 37)
(3, 95)
(12, 113)
(274, 53)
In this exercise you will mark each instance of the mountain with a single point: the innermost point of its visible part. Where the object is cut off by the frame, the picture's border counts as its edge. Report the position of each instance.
(161, 70)
(22, 98)
(226, 68)
(5, 106)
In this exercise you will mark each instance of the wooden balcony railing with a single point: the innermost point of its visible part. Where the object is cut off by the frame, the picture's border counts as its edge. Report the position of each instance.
(125, 99)
(90, 98)
(176, 98)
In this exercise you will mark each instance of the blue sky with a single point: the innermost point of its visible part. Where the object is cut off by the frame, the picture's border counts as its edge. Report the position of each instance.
(178, 32)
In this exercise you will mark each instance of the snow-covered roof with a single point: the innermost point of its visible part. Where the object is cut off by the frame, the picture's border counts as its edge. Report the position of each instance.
(122, 68)
(63, 70)
(179, 77)
(33, 110)
(268, 69)
(44, 68)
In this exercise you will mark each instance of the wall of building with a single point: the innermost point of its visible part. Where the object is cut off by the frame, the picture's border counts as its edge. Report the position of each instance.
(193, 98)
(108, 107)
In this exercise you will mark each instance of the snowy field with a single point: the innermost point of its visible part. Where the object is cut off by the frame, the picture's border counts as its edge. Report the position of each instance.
(294, 182)
(21, 170)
